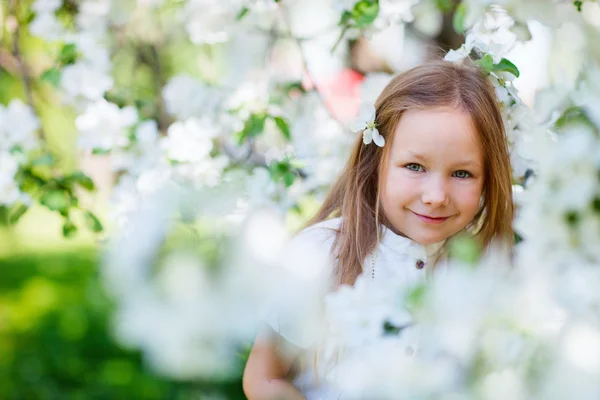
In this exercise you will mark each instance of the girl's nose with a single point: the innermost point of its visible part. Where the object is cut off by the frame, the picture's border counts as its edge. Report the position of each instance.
(435, 193)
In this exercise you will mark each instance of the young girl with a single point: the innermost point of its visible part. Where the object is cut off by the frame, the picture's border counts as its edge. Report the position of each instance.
(433, 163)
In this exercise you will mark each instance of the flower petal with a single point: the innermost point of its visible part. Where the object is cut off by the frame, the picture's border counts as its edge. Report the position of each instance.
(367, 136)
(378, 139)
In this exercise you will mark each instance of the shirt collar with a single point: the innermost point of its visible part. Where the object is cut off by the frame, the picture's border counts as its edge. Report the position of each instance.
(403, 245)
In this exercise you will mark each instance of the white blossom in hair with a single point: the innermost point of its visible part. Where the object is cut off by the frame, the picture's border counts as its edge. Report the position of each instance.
(367, 125)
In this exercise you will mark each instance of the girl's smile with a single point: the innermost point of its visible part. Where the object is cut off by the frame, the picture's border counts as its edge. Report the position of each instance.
(430, 219)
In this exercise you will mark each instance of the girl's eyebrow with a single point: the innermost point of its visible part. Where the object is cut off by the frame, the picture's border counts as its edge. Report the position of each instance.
(463, 162)
(417, 155)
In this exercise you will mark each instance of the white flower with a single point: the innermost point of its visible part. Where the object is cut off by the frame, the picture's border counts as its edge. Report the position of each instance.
(83, 80)
(105, 126)
(190, 140)
(9, 190)
(463, 52)
(46, 6)
(47, 26)
(143, 154)
(187, 97)
(18, 124)
(368, 126)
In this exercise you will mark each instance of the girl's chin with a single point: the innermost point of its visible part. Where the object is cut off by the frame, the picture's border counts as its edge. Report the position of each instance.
(426, 239)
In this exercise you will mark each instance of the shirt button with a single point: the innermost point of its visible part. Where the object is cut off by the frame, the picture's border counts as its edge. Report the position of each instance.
(409, 351)
(420, 264)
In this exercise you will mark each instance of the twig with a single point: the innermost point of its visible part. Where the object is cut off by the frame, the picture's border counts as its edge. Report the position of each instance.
(149, 55)
(21, 62)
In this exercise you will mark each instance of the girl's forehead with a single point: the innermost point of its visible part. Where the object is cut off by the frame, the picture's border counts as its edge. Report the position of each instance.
(435, 131)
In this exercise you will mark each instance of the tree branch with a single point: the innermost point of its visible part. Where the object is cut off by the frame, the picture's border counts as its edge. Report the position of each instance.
(20, 61)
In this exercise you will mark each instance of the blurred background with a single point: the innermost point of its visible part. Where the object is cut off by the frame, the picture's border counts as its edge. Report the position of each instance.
(107, 105)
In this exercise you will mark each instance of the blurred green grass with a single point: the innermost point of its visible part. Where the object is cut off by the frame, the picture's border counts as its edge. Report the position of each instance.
(55, 340)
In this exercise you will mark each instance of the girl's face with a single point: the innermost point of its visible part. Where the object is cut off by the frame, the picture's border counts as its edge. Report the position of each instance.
(433, 179)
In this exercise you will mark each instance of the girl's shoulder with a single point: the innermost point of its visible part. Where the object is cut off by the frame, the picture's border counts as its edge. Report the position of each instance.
(327, 227)
(320, 235)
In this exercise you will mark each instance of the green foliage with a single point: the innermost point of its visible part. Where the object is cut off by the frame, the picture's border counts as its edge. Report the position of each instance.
(243, 12)
(444, 5)
(68, 54)
(466, 249)
(92, 222)
(507, 66)
(390, 330)
(285, 170)
(415, 296)
(578, 4)
(486, 63)
(55, 339)
(458, 20)
(51, 76)
(54, 191)
(362, 14)
(16, 212)
(283, 127)
(254, 126)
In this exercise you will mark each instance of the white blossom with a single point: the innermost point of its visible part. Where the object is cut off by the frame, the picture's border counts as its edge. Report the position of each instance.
(368, 127)
(18, 126)
(105, 126)
(190, 140)
(187, 97)
(9, 191)
(46, 6)
(81, 80)
(47, 26)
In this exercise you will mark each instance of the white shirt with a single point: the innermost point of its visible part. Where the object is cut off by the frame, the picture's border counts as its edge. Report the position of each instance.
(395, 258)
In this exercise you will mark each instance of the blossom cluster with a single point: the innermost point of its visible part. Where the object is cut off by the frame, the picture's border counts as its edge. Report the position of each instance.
(251, 105)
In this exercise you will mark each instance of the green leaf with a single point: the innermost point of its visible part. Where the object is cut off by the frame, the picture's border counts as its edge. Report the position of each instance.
(486, 63)
(253, 127)
(282, 170)
(415, 297)
(16, 212)
(365, 12)
(578, 4)
(458, 20)
(507, 66)
(596, 205)
(466, 249)
(243, 12)
(68, 54)
(69, 229)
(82, 179)
(283, 127)
(92, 222)
(444, 5)
(571, 114)
(289, 178)
(572, 218)
(56, 200)
(389, 329)
(52, 76)
(345, 18)
(100, 151)
(46, 159)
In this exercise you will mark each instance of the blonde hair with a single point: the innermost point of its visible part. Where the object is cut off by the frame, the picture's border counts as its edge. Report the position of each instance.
(355, 194)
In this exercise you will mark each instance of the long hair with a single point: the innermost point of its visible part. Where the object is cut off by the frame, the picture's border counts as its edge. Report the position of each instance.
(355, 194)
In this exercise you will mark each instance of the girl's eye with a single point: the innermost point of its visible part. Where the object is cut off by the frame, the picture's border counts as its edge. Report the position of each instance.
(414, 167)
(462, 174)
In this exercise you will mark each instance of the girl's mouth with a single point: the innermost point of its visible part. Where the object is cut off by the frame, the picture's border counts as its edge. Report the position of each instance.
(430, 220)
